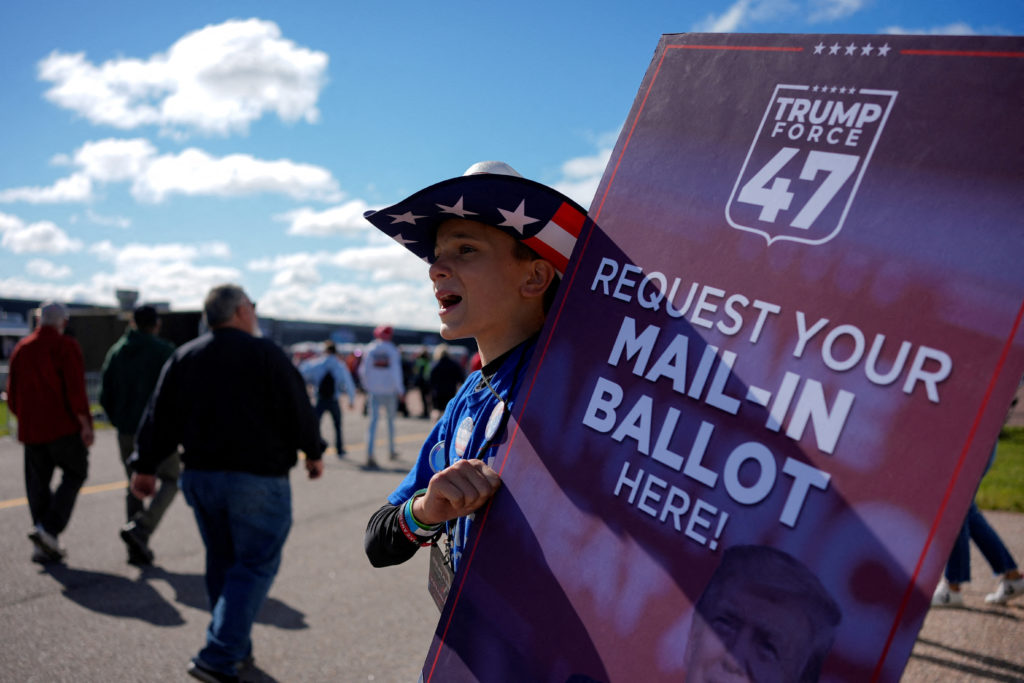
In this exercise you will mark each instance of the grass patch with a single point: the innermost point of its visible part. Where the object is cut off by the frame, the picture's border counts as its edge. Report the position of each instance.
(1003, 486)
(5, 426)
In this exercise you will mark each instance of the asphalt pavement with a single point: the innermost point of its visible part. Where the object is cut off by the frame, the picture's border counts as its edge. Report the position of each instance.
(330, 616)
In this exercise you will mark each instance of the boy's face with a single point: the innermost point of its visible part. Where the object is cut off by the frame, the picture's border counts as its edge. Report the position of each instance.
(478, 283)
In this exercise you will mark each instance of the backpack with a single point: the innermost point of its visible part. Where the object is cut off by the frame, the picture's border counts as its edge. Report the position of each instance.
(325, 392)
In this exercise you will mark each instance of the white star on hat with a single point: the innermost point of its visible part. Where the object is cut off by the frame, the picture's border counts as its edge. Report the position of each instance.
(401, 240)
(456, 209)
(517, 219)
(407, 217)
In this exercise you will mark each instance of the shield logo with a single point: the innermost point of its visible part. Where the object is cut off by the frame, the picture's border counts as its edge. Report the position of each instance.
(807, 160)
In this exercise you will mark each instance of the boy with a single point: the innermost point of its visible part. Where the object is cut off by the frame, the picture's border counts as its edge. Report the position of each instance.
(498, 245)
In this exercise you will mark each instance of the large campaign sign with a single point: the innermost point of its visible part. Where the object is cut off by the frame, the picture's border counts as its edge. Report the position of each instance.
(779, 362)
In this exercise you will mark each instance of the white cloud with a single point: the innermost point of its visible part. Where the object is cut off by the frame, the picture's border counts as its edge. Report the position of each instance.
(122, 222)
(958, 28)
(162, 272)
(728, 22)
(47, 269)
(114, 159)
(194, 172)
(386, 263)
(400, 303)
(581, 176)
(371, 284)
(833, 10)
(42, 236)
(216, 80)
(21, 288)
(146, 255)
(346, 218)
(743, 14)
(389, 262)
(191, 172)
(74, 188)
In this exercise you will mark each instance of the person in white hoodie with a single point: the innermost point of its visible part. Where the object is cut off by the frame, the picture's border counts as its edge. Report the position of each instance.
(380, 373)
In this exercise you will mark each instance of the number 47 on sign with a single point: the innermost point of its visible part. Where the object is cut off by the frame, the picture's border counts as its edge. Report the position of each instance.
(807, 160)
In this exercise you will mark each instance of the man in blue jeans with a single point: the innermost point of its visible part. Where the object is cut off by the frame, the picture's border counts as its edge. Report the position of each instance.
(1010, 585)
(329, 377)
(239, 410)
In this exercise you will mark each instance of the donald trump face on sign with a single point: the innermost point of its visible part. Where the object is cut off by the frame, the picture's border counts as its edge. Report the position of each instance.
(764, 618)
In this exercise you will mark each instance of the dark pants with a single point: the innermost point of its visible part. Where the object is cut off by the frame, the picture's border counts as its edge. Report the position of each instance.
(147, 518)
(52, 509)
(331, 406)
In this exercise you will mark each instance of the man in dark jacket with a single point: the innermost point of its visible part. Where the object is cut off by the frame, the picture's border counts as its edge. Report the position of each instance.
(130, 372)
(239, 410)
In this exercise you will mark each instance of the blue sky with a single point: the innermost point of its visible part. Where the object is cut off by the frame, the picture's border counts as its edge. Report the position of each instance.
(168, 147)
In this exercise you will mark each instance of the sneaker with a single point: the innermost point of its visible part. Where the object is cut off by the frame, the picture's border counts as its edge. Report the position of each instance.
(943, 597)
(136, 539)
(1008, 589)
(47, 543)
(197, 669)
(371, 465)
(394, 455)
(39, 556)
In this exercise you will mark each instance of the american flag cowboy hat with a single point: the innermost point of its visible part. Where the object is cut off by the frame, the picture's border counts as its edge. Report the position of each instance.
(493, 193)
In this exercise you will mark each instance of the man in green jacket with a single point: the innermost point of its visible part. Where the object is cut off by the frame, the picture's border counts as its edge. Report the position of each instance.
(130, 372)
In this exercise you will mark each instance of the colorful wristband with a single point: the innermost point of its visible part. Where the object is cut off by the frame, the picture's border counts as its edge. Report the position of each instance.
(416, 524)
(404, 526)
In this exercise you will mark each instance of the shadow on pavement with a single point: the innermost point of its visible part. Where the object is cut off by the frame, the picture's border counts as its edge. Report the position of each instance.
(256, 675)
(119, 596)
(115, 595)
(988, 668)
(190, 590)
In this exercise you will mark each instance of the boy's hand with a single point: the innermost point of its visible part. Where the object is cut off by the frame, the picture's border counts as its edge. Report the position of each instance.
(456, 491)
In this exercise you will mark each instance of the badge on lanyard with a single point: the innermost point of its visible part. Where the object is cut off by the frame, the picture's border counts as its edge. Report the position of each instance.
(439, 575)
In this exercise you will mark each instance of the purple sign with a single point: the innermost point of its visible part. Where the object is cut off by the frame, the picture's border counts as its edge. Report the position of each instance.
(768, 390)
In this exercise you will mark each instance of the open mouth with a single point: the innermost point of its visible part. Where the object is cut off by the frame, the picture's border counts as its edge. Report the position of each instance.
(448, 300)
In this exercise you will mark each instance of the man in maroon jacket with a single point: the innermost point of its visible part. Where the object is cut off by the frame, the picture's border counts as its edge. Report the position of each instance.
(46, 392)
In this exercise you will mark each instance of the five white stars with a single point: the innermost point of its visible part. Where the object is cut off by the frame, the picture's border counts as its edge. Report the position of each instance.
(851, 49)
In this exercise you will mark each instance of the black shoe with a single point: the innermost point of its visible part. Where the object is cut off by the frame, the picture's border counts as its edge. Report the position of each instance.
(137, 542)
(371, 465)
(140, 559)
(341, 452)
(204, 673)
(47, 544)
(41, 557)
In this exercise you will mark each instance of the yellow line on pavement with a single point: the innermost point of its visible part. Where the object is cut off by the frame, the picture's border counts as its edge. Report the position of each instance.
(116, 485)
(85, 490)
